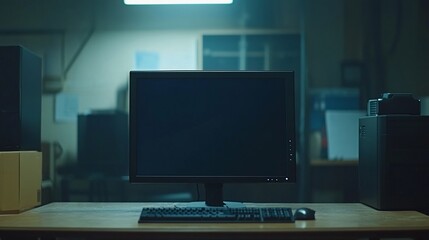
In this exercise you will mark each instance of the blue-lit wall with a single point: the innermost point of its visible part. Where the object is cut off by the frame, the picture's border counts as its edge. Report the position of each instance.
(88, 47)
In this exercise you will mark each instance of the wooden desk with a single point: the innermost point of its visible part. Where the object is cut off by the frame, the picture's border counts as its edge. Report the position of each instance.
(119, 221)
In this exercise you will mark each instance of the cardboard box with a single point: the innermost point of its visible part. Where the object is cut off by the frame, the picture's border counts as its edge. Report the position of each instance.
(20, 180)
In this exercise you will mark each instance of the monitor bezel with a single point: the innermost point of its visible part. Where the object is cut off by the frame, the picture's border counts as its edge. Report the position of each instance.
(288, 76)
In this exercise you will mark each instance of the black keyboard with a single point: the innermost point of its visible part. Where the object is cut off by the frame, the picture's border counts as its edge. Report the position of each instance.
(195, 214)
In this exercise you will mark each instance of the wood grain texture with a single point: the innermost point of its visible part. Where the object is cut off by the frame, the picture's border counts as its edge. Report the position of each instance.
(119, 220)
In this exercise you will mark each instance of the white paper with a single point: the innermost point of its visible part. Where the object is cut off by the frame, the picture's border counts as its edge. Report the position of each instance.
(66, 107)
(342, 129)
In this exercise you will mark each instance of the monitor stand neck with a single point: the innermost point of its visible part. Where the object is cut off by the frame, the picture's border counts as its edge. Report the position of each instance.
(214, 198)
(214, 194)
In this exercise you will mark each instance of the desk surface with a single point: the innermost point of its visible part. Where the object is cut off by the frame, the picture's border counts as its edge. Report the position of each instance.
(120, 219)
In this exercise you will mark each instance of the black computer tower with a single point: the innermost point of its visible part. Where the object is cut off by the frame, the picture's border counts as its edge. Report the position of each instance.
(394, 162)
(103, 143)
(20, 99)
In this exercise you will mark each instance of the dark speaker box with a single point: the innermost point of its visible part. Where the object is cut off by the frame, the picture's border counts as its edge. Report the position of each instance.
(20, 99)
(103, 143)
(394, 162)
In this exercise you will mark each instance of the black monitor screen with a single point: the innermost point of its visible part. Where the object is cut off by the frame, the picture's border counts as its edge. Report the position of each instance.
(212, 127)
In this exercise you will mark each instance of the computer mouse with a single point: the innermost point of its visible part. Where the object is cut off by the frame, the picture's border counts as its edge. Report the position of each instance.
(305, 214)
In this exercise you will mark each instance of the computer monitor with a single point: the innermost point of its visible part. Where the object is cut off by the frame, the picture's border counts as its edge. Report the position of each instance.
(212, 127)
